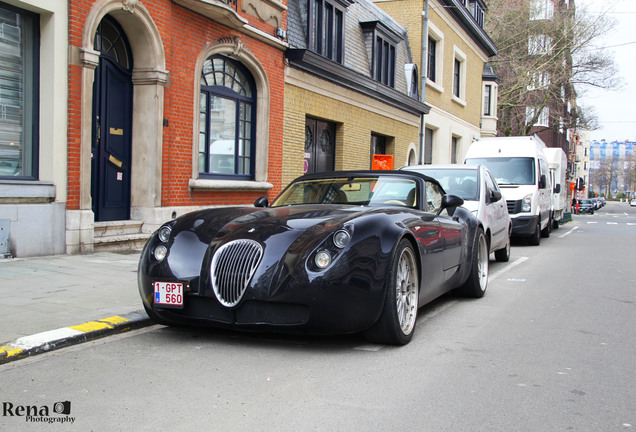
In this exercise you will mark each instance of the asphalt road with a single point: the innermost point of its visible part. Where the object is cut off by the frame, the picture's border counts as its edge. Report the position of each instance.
(550, 347)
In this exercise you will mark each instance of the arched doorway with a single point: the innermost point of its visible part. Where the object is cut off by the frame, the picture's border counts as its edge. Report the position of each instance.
(111, 124)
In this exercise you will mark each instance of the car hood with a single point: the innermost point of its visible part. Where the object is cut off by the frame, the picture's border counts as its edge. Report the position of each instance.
(297, 229)
(470, 205)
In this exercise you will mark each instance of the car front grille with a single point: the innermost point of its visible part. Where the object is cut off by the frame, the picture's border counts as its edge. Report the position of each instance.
(232, 269)
(514, 207)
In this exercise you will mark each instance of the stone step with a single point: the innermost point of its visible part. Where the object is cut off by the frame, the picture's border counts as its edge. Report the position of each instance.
(115, 228)
(119, 235)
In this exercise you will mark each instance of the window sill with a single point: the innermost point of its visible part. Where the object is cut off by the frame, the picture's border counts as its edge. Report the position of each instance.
(434, 86)
(27, 191)
(459, 101)
(208, 184)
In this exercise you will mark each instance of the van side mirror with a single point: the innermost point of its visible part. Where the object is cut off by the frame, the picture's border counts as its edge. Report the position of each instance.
(261, 202)
(495, 196)
(542, 182)
(557, 188)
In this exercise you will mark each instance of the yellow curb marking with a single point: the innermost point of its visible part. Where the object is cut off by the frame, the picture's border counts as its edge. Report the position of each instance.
(105, 323)
(10, 351)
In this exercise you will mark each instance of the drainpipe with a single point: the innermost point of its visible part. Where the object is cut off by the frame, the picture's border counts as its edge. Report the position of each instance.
(423, 79)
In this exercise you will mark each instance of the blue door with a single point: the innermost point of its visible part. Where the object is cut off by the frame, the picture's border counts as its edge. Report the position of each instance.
(112, 127)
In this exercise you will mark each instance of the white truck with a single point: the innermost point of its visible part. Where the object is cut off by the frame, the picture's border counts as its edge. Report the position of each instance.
(521, 169)
(557, 163)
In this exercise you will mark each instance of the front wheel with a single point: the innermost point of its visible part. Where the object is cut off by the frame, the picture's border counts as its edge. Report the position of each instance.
(397, 320)
(475, 285)
(535, 238)
(545, 232)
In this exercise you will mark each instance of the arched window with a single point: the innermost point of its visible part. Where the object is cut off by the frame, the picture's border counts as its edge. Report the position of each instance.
(227, 110)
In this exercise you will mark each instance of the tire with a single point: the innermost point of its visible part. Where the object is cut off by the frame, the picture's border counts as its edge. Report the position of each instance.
(545, 232)
(503, 255)
(477, 282)
(535, 239)
(555, 224)
(396, 324)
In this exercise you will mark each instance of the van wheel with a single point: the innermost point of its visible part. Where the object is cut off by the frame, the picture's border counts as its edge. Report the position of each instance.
(555, 224)
(545, 232)
(535, 239)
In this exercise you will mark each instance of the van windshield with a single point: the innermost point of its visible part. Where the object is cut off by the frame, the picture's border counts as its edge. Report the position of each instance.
(509, 170)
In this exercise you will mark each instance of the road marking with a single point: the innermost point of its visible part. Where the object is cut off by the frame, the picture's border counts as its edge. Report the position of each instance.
(612, 223)
(631, 223)
(571, 231)
(592, 222)
(508, 267)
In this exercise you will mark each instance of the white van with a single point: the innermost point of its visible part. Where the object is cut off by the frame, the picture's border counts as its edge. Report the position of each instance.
(521, 170)
(558, 164)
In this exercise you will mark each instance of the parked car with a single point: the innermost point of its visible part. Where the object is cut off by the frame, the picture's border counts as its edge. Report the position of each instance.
(480, 192)
(632, 203)
(334, 253)
(585, 206)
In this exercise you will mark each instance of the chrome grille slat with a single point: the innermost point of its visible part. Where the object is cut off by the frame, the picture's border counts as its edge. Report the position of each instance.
(232, 268)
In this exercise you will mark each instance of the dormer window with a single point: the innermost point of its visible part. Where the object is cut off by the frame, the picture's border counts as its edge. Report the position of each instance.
(326, 28)
(383, 51)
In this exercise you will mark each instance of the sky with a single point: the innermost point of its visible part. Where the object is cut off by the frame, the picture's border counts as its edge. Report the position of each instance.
(616, 110)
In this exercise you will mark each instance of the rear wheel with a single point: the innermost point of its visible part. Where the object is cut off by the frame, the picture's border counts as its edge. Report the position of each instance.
(397, 321)
(475, 285)
(503, 255)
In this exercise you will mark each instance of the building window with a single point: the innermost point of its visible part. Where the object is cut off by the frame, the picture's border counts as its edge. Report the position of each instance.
(457, 77)
(19, 93)
(487, 99)
(326, 29)
(384, 61)
(454, 147)
(226, 120)
(378, 145)
(542, 120)
(541, 10)
(431, 59)
(477, 12)
(539, 44)
(428, 145)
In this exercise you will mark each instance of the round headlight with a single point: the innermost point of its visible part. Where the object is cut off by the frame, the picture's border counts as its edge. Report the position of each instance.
(160, 252)
(341, 239)
(164, 233)
(322, 259)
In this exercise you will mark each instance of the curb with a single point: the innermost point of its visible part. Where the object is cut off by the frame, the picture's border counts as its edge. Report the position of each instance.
(39, 343)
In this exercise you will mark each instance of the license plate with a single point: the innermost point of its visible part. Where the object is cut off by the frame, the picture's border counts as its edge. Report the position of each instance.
(169, 294)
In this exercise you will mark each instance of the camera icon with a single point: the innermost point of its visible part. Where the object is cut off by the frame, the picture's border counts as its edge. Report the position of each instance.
(62, 407)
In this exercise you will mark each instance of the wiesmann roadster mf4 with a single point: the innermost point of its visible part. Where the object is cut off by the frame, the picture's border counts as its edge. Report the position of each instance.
(334, 253)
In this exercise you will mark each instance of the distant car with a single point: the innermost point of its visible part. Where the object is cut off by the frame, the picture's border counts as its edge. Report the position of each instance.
(585, 206)
(480, 192)
(633, 203)
(334, 253)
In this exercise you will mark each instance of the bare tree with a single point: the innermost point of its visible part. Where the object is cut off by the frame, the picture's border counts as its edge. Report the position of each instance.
(546, 54)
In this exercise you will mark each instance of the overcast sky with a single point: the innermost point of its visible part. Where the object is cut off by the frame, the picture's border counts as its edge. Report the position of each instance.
(616, 110)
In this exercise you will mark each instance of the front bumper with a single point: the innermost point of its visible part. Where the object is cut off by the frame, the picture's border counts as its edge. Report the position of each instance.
(524, 226)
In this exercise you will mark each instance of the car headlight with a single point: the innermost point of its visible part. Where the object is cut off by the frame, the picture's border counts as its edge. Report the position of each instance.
(341, 239)
(164, 233)
(160, 252)
(322, 259)
(526, 203)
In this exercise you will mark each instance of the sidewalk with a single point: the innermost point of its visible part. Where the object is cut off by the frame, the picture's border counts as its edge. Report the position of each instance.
(55, 301)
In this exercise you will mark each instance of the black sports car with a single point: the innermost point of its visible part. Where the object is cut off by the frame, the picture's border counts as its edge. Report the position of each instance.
(339, 252)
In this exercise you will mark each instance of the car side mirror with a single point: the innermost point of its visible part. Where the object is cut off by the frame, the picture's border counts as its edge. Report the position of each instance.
(261, 202)
(495, 196)
(450, 202)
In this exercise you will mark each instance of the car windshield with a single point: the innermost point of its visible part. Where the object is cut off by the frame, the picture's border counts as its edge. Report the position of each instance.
(371, 191)
(460, 182)
(509, 170)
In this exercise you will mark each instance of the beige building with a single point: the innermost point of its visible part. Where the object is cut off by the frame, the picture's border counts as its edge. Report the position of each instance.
(451, 48)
